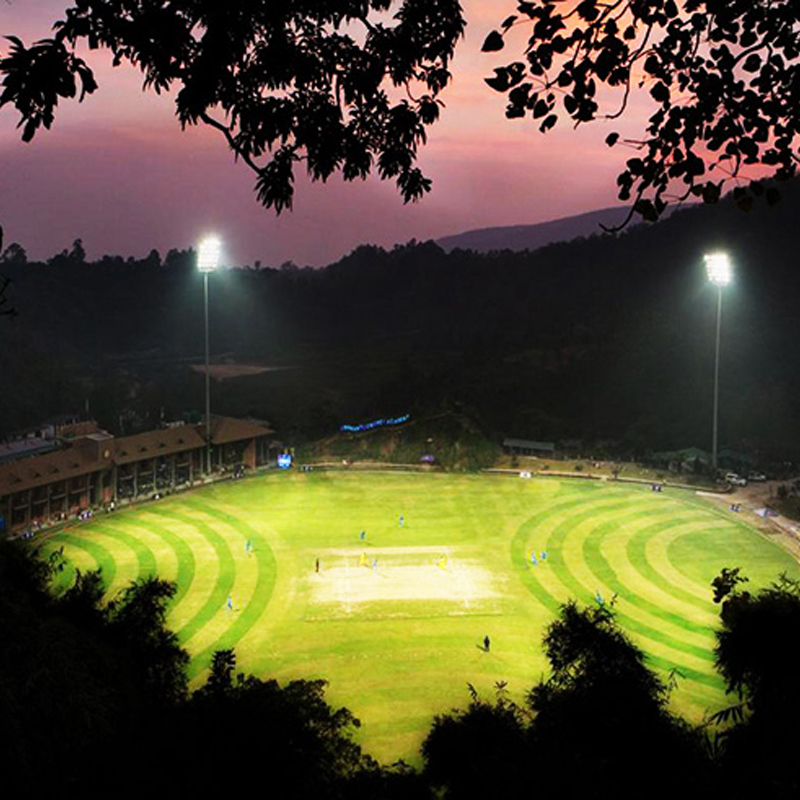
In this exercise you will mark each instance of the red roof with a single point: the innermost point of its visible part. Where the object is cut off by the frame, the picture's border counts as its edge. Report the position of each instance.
(70, 462)
(152, 444)
(229, 429)
(30, 473)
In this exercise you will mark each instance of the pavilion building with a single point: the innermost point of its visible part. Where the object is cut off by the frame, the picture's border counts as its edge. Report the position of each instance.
(89, 468)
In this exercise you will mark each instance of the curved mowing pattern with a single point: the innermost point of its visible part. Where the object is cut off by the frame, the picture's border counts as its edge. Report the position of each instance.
(595, 551)
(395, 620)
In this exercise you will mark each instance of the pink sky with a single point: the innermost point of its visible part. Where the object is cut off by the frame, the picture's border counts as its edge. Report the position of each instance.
(118, 172)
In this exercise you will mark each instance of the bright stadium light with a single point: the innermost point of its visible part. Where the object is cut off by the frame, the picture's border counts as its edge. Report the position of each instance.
(208, 255)
(718, 268)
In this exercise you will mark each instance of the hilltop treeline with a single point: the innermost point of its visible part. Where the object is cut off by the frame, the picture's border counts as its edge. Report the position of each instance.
(605, 338)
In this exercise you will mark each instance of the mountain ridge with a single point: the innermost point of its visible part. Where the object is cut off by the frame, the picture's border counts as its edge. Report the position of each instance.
(536, 235)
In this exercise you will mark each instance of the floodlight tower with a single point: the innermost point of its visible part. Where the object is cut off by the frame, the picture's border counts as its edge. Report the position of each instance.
(718, 267)
(208, 254)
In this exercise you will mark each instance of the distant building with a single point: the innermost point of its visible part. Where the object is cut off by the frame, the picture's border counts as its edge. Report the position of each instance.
(89, 468)
(41, 439)
(524, 447)
(24, 447)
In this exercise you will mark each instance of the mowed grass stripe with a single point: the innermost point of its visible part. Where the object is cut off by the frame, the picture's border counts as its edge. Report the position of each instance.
(668, 665)
(88, 554)
(204, 574)
(543, 524)
(393, 667)
(637, 599)
(701, 556)
(564, 544)
(215, 602)
(641, 511)
(79, 554)
(182, 554)
(126, 555)
(661, 636)
(668, 657)
(267, 570)
(570, 539)
(573, 571)
(245, 570)
(638, 589)
(645, 551)
(549, 528)
(529, 575)
(146, 557)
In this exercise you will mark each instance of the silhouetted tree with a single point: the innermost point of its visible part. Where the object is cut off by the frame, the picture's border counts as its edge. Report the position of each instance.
(220, 679)
(598, 727)
(69, 700)
(282, 82)
(398, 781)
(601, 721)
(14, 255)
(153, 260)
(83, 601)
(479, 752)
(286, 735)
(137, 621)
(77, 255)
(6, 309)
(757, 647)
(722, 74)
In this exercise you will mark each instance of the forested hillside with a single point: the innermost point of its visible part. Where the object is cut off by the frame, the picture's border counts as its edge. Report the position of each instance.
(603, 338)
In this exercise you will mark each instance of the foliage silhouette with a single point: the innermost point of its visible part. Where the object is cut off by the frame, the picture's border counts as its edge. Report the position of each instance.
(83, 601)
(722, 75)
(478, 752)
(70, 696)
(757, 647)
(601, 720)
(137, 620)
(303, 746)
(599, 726)
(73, 698)
(342, 86)
(13, 254)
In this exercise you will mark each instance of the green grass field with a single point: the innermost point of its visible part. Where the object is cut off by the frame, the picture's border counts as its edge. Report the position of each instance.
(398, 643)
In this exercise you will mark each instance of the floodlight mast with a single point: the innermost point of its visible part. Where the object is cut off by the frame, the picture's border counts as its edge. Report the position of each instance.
(208, 255)
(718, 268)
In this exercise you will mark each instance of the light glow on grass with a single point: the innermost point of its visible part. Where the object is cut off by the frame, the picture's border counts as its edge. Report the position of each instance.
(399, 644)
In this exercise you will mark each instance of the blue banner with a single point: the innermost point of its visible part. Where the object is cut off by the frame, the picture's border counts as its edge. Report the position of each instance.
(378, 423)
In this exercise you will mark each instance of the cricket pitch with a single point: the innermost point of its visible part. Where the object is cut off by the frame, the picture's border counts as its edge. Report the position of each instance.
(400, 581)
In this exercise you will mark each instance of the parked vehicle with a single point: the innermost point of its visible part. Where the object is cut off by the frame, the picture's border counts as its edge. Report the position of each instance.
(756, 476)
(735, 480)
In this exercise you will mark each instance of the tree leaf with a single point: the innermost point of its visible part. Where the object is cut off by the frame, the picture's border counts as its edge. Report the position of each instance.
(493, 42)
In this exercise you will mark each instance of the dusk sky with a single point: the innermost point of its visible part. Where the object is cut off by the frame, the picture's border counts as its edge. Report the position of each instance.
(118, 172)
